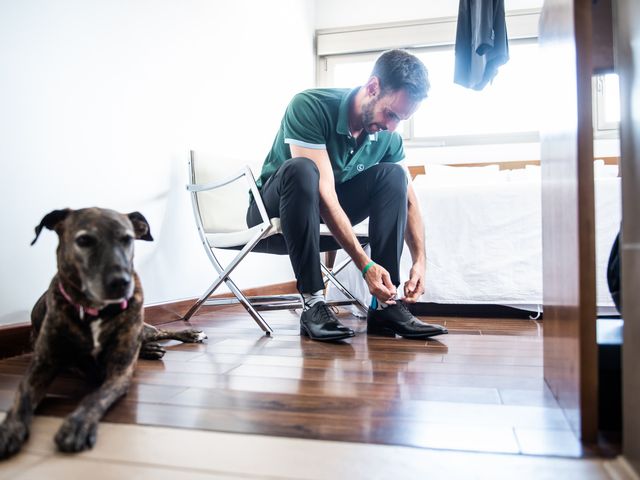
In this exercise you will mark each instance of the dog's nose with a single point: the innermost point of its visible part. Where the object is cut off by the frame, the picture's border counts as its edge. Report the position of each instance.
(118, 285)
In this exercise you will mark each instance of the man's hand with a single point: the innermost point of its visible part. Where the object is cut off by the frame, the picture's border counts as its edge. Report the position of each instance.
(414, 287)
(379, 283)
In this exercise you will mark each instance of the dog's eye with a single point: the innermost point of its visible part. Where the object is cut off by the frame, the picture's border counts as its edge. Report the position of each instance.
(126, 239)
(85, 241)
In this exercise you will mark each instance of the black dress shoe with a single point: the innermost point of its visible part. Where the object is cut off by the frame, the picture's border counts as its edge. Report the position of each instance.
(398, 320)
(320, 323)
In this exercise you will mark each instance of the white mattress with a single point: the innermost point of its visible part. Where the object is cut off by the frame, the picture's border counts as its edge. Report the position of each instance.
(484, 243)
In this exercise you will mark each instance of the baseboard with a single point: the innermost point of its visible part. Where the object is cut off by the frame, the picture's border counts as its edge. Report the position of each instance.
(173, 311)
(160, 313)
(15, 339)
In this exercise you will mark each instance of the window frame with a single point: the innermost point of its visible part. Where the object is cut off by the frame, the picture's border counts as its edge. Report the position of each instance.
(602, 129)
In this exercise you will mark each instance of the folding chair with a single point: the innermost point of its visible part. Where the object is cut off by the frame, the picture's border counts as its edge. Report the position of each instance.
(219, 207)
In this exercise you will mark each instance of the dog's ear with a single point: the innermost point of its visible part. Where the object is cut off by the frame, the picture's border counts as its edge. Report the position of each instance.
(50, 221)
(140, 226)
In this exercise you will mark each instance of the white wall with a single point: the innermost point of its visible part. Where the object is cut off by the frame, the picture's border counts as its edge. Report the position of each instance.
(100, 102)
(338, 13)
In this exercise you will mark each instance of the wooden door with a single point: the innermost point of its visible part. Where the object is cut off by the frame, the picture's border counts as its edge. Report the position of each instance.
(568, 233)
(627, 19)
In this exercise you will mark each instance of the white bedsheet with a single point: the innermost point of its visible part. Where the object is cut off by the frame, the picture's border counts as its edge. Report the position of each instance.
(484, 243)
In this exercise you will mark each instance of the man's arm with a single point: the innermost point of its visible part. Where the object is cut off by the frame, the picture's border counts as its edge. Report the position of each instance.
(414, 235)
(377, 278)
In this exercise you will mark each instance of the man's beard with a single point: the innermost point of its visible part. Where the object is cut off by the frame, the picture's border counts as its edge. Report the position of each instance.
(367, 114)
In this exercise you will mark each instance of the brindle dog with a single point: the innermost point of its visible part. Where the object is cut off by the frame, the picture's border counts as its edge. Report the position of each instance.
(91, 319)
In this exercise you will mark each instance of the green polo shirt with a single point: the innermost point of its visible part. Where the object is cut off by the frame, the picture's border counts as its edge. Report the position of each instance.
(319, 119)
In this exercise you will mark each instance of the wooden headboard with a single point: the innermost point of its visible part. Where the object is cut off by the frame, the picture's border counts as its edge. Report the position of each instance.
(420, 170)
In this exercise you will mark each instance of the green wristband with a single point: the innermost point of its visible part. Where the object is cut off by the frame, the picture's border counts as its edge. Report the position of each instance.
(367, 267)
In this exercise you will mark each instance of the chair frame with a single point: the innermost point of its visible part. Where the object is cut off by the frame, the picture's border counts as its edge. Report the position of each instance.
(266, 229)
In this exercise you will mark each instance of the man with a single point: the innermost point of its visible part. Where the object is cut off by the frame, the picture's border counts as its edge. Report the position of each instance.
(335, 158)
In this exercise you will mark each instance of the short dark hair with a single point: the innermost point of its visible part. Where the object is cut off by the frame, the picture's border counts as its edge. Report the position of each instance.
(399, 69)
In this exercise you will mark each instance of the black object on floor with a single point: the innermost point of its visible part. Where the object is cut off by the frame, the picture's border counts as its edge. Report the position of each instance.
(609, 375)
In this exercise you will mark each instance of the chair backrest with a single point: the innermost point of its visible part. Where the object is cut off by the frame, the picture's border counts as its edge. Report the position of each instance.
(222, 207)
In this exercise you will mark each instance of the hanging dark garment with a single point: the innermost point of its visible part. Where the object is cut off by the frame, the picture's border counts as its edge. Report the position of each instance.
(481, 42)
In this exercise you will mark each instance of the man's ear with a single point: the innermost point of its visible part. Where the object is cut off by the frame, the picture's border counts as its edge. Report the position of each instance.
(51, 220)
(140, 226)
(373, 86)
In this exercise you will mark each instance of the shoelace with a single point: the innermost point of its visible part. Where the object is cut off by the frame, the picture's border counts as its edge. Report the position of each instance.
(326, 314)
(405, 311)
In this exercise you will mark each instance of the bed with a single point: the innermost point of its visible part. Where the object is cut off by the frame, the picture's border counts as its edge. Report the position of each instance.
(484, 241)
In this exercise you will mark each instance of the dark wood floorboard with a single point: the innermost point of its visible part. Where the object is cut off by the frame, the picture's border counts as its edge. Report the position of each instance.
(479, 388)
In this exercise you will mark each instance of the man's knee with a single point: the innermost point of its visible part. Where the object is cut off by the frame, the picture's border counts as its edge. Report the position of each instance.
(392, 176)
(301, 175)
(301, 168)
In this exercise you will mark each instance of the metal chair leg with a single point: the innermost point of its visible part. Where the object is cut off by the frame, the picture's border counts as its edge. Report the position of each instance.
(262, 323)
(196, 306)
(329, 276)
(224, 273)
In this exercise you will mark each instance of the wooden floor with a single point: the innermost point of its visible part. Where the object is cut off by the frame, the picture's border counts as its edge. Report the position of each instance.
(480, 388)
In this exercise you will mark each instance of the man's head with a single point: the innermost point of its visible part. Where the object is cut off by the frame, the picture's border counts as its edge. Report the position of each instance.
(398, 83)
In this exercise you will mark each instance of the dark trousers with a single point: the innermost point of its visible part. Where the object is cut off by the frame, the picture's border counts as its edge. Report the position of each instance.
(292, 194)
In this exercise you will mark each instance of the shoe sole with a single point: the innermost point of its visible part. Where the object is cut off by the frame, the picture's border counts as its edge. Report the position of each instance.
(386, 332)
(305, 333)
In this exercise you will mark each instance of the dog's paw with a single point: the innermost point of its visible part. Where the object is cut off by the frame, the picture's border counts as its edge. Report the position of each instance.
(76, 435)
(191, 336)
(151, 351)
(13, 434)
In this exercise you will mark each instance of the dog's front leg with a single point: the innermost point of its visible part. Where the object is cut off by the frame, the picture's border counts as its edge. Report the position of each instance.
(78, 431)
(14, 431)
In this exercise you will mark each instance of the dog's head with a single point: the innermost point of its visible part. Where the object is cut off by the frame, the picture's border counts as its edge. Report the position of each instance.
(95, 250)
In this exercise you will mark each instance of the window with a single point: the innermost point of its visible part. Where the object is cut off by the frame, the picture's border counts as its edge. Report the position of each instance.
(606, 104)
(509, 105)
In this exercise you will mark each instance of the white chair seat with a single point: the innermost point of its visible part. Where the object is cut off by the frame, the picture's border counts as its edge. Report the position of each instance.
(242, 237)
